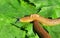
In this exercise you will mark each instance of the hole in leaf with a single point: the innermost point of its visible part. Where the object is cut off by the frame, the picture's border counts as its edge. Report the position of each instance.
(23, 29)
(30, 3)
(18, 1)
(45, 29)
(26, 15)
(50, 17)
(26, 36)
(15, 25)
(38, 10)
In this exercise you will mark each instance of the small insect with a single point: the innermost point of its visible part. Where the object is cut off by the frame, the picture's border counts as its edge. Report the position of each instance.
(46, 21)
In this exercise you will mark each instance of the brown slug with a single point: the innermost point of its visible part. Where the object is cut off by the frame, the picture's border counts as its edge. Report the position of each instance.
(36, 19)
(46, 21)
(40, 30)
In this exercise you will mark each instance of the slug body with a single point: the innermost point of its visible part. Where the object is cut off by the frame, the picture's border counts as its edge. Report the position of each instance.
(40, 30)
(46, 21)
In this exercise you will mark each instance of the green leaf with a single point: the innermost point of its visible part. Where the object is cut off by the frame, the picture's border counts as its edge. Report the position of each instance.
(7, 30)
(10, 10)
(53, 12)
(44, 3)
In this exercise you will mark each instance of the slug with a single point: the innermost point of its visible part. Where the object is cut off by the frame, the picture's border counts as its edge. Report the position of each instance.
(40, 30)
(46, 21)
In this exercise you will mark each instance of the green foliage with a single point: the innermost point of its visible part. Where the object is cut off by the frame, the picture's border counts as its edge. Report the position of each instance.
(12, 9)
